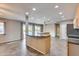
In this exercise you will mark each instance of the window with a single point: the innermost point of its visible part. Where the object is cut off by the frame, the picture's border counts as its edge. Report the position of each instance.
(37, 29)
(34, 29)
(30, 30)
(2, 28)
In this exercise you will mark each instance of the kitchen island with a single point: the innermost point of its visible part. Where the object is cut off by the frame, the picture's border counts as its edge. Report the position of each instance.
(39, 42)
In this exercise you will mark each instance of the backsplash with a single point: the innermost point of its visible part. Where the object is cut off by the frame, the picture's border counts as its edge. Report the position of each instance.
(71, 32)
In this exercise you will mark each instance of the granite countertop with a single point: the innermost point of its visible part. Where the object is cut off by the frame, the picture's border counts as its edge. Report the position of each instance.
(73, 41)
(39, 35)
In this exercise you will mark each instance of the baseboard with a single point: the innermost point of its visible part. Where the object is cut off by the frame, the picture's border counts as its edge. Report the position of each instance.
(9, 41)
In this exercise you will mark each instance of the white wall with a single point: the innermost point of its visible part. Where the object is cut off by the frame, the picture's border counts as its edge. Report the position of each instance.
(50, 28)
(12, 30)
(63, 29)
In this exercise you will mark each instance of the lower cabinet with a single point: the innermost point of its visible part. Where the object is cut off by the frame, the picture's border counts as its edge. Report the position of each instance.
(41, 44)
(73, 49)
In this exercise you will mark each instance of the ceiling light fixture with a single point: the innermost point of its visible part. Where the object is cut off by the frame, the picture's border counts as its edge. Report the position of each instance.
(34, 9)
(60, 13)
(56, 6)
(27, 13)
(48, 19)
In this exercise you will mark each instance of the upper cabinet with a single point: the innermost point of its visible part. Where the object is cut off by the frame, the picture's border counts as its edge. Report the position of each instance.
(76, 20)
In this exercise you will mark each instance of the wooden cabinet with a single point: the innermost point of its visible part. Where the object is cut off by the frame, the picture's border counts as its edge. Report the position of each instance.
(73, 49)
(41, 44)
(76, 20)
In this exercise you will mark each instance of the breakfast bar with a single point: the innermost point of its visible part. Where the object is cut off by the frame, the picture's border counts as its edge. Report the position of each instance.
(39, 42)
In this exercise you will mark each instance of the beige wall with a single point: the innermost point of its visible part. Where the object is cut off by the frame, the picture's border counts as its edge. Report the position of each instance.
(12, 31)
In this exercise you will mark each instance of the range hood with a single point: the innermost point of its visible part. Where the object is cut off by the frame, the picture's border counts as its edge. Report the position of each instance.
(76, 20)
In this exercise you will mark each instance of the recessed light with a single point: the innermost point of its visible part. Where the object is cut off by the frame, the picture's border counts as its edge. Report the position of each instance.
(34, 9)
(27, 13)
(56, 6)
(60, 13)
(48, 19)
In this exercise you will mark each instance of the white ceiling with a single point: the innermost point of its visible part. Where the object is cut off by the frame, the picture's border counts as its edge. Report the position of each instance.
(17, 11)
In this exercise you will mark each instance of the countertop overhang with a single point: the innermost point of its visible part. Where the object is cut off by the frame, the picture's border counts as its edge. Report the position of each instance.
(42, 34)
(39, 35)
(73, 41)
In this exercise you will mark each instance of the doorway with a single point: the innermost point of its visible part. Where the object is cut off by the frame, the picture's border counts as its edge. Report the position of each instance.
(57, 30)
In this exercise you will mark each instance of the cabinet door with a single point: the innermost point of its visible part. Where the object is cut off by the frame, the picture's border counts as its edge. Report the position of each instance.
(43, 44)
(73, 49)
